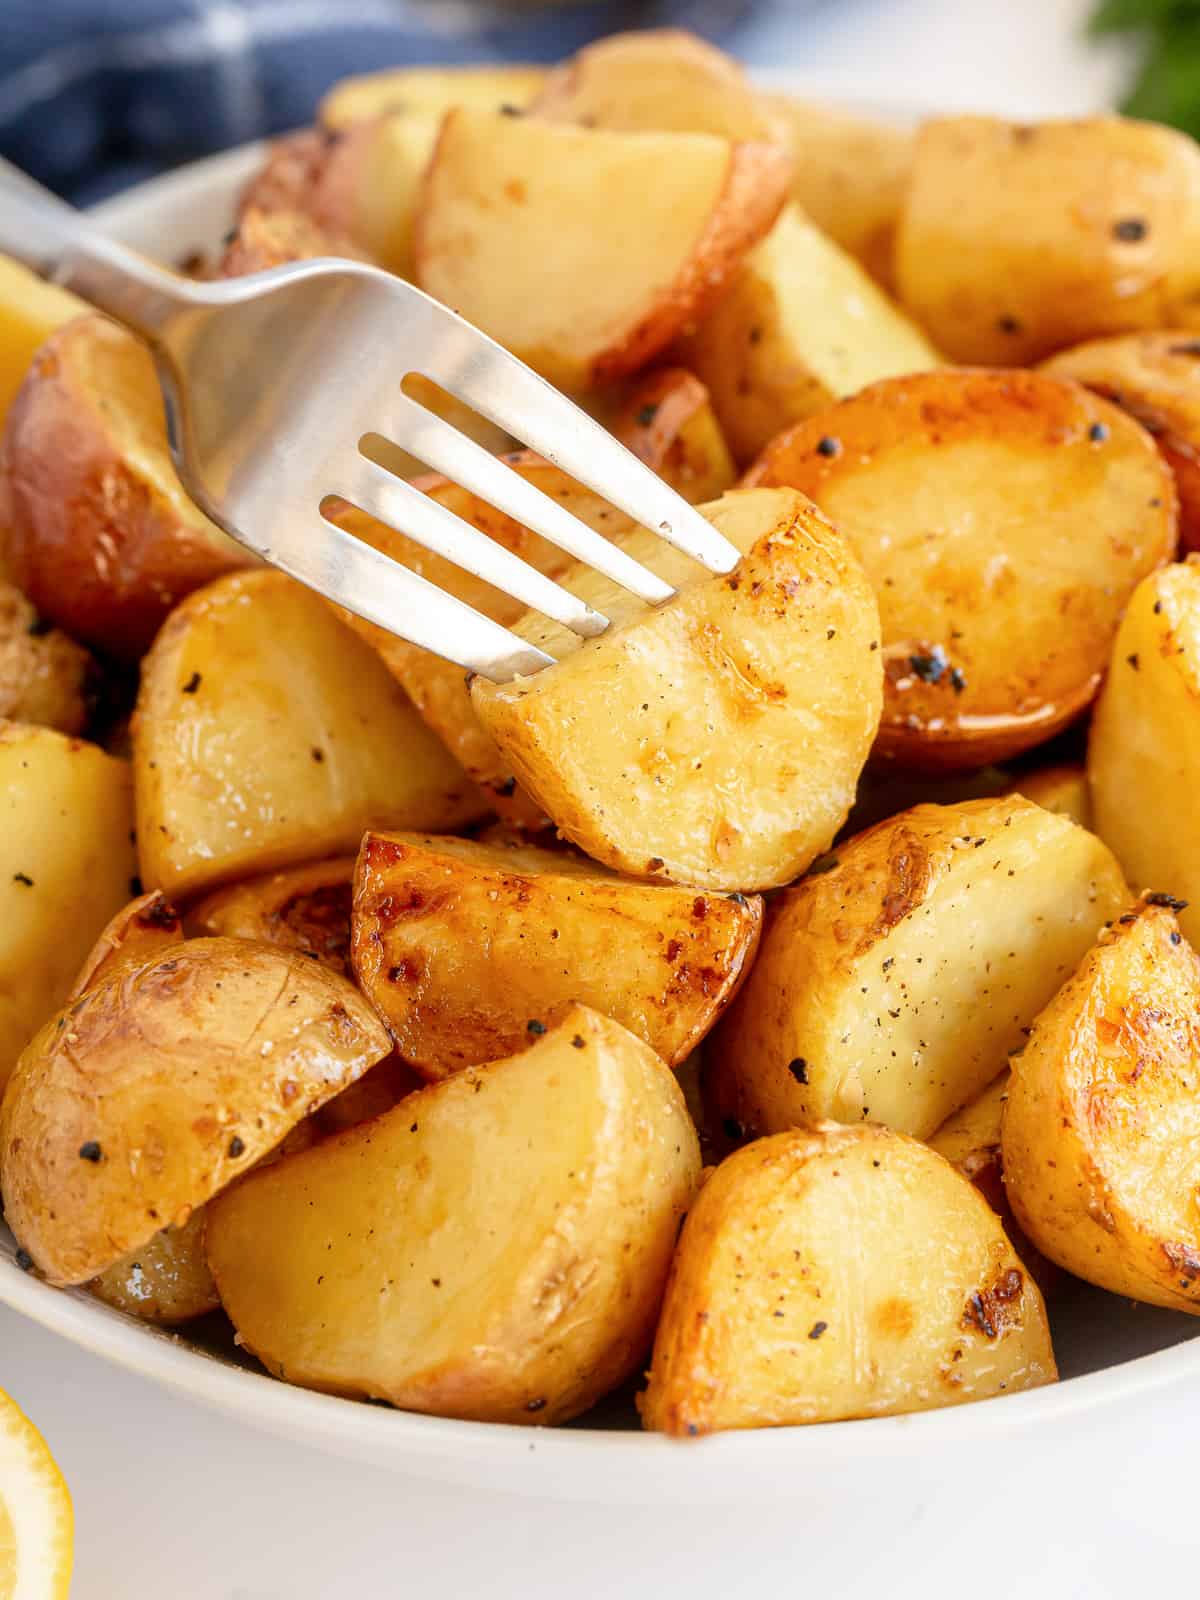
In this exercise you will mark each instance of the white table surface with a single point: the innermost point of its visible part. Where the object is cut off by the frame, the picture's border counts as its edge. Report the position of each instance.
(172, 1501)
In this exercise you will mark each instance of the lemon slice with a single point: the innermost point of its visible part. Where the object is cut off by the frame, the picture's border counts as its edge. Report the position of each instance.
(37, 1524)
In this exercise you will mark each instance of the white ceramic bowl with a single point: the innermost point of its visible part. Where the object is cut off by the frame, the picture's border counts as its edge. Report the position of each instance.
(1112, 1354)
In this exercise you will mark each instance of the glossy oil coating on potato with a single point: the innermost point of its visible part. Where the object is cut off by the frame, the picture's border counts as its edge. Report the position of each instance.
(166, 1280)
(463, 948)
(1144, 749)
(892, 986)
(802, 325)
(143, 929)
(303, 908)
(267, 734)
(30, 310)
(153, 1090)
(1102, 1120)
(66, 863)
(495, 1248)
(668, 423)
(835, 1273)
(1017, 239)
(716, 739)
(102, 537)
(506, 234)
(45, 677)
(1004, 519)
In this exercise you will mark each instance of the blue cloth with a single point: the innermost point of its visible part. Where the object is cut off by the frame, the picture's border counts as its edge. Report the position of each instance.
(97, 94)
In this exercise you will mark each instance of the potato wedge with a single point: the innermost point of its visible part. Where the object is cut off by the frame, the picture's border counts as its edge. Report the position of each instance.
(495, 1248)
(714, 740)
(849, 176)
(431, 91)
(145, 928)
(263, 239)
(668, 422)
(45, 677)
(30, 310)
(801, 326)
(266, 734)
(1004, 519)
(156, 1088)
(68, 859)
(658, 80)
(1017, 239)
(892, 986)
(1102, 1118)
(102, 537)
(769, 1319)
(166, 1280)
(303, 908)
(506, 234)
(1156, 378)
(464, 948)
(1062, 788)
(1144, 750)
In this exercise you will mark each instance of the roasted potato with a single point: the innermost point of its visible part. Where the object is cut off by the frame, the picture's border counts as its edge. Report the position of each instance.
(1144, 749)
(1004, 519)
(494, 1248)
(716, 739)
(303, 908)
(801, 326)
(429, 91)
(463, 948)
(849, 176)
(68, 836)
(101, 537)
(891, 986)
(166, 1280)
(1062, 788)
(805, 1289)
(45, 677)
(30, 310)
(266, 734)
(668, 422)
(140, 931)
(155, 1088)
(1017, 239)
(1102, 1117)
(1156, 378)
(506, 234)
(263, 239)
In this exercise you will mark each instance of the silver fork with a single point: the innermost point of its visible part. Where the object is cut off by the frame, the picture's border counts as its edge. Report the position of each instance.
(272, 383)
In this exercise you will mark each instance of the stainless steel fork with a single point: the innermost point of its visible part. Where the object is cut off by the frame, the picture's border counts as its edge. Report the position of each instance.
(272, 384)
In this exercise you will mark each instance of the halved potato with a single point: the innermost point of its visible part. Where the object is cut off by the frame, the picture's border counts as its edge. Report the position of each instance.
(658, 80)
(463, 948)
(494, 1248)
(45, 677)
(145, 928)
(1144, 749)
(668, 422)
(1062, 788)
(30, 310)
(267, 734)
(805, 1289)
(428, 90)
(892, 986)
(1004, 518)
(1016, 239)
(801, 326)
(66, 864)
(715, 739)
(166, 1280)
(101, 537)
(303, 908)
(507, 234)
(154, 1089)
(1156, 378)
(849, 176)
(1102, 1120)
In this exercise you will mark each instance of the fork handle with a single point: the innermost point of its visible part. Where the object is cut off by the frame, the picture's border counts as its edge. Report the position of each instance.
(47, 234)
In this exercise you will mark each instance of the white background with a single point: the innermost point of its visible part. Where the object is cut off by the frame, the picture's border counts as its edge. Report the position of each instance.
(174, 1502)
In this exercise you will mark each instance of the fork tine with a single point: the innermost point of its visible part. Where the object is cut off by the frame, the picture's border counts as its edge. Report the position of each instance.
(442, 447)
(421, 518)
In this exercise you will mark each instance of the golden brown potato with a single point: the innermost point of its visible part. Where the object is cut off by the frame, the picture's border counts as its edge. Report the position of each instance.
(1156, 378)
(153, 1090)
(463, 948)
(716, 739)
(1144, 749)
(102, 537)
(891, 986)
(145, 928)
(68, 859)
(801, 326)
(883, 792)
(658, 80)
(264, 239)
(1102, 1118)
(304, 908)
(429, 91)
(849, 176)
(805, 1289)
(45, 677)
(1005, 519)
(1016, 239)
(1061, 788)
(30, 310)
(267, 734)
(494, 1248)
(668, 422)
(166, 1280)
(506, 234)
